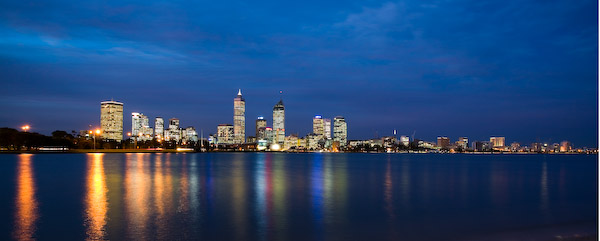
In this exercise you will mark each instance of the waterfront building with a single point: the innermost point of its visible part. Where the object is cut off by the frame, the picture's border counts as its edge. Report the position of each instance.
(312, 141)
(111, 120)
(340, 130)
(327, 128)
(239, 118)
(318, 125)
(173, 133)
(463, 142)
(405, 140)
(291, 142)
(565, 146)
(261, 124)
(225, 134)
(279, 122)
(189, 135)
(515, 147)
(159, 128)
(269, 135)
(136, 124)
(497, 142)
(443, 142)
(481, 146)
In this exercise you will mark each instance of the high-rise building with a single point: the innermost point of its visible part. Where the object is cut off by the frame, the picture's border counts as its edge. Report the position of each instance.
(225, 134)
(261, 124)
(327, 128)
(111, 120)
(279, 123)
(463, 142)
(173, 133)
(136, 124)
(239, 118)
(443, 141)
(318, 126)
(159, 128)
(497, 141)
(340, 130)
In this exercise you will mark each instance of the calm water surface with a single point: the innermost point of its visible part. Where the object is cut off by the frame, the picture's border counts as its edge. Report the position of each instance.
(275, 196)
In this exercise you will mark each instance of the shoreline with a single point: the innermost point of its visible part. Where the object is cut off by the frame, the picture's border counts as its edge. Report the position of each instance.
(76, 151)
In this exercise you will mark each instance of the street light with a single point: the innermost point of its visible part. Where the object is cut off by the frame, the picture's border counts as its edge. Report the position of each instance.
(25, 128)
(97, 133)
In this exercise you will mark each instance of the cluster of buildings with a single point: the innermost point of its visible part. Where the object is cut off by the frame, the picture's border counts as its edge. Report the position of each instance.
(327, 135)
(111, 123)
(273, 137)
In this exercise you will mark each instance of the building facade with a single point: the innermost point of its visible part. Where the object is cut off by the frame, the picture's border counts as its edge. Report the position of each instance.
(111, 120)
(443, 142)
(279, 123)
(318, 126)
(225, 134)
(239, 118)
(261, 124)
(159, 128)
(340, 130)
(497, 141)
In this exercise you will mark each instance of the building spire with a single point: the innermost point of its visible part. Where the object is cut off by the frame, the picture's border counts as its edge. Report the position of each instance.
(239, 91)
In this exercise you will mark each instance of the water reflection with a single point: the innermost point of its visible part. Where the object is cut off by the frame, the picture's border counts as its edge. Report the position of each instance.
(137, 190)
(26, 204)
(96, 204)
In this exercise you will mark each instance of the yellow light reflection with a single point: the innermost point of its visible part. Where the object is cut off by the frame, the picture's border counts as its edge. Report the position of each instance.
(95, 201)
(26, 205)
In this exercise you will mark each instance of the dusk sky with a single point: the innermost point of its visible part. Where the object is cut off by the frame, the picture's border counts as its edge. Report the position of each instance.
(526, 70)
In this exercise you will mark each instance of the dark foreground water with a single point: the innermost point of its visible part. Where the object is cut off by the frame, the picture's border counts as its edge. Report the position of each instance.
(274, 196)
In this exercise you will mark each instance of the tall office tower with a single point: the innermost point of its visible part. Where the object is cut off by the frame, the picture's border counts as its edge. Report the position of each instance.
(318, 126)
(497, 141)
(225, 134)
(239, 118)
(261, 124)
(340, 130)
(136, 124)
(279, 123)
(111, 120)
(327, 128)
(159, 128)
(173, 134)
(443, 141)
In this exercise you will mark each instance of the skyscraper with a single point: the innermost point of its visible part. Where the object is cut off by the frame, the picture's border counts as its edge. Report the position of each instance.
(136, 124)
(327, 128)
(173, 134)
(159, 128)
(318, 126)
(225, 134)
(340, 130)
(279, 123)
(261, 124)
(239, 119)
(111, 120)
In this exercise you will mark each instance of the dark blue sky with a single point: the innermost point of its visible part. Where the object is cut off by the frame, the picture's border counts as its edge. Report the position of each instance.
(526, 70)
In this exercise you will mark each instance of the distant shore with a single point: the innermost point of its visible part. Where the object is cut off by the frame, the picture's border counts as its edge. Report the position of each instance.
(224, 151)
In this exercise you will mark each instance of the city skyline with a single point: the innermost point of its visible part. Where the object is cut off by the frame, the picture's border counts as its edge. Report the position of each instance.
(435, 69)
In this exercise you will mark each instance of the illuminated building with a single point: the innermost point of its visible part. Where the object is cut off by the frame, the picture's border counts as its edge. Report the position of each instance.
(497, 141)
(159, 128)
(318, 126)
(515, 146)
(261, 124)
(279, 123)
(340, 130)
(463, 142)
(173, 133)
(443, 142)
(140, 127)
(565, 146)
(189, 135)
(239, 119)
(291, 142)
(481, 146)
(111, 120)
(327, 128)
(269, 135)
(405, 140)
(225, 134)
(312, 141)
